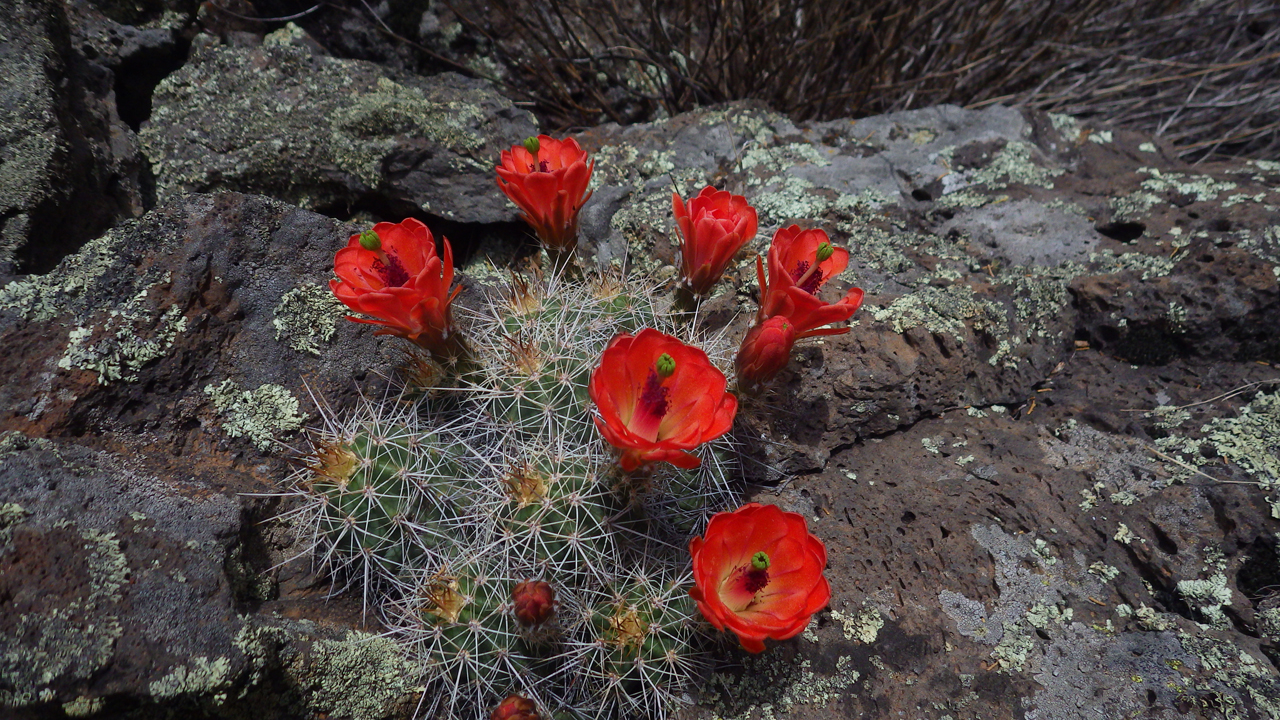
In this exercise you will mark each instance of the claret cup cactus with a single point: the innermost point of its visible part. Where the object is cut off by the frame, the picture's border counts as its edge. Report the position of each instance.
(519, 510)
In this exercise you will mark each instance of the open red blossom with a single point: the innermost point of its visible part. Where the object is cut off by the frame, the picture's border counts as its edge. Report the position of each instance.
(713, 227)
(549, 186)
(796, 274)
(765, 351)
(758, 572)
(401, 282)
(659, 398)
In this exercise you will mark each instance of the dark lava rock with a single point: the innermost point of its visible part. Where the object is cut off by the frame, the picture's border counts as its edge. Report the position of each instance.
(69, 167)
(329, 134)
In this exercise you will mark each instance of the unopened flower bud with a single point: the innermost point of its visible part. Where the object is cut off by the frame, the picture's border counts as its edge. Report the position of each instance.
(531, 144)
(665, 366)
(369, 240)
(534, 602)
(760, 561)
(515, 707)
(765, 351)
(825, 251)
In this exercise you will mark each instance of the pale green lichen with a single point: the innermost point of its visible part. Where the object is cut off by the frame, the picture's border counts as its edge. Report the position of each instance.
(1124, 535)
(789, 197)
(1201, 187)
(1269, 623)
(863, 626)
(1133, 206)
(1151, 266)
(1251, 441)
(769, 687)
(1101, 137)
(360, 676)
(1123, 497)
(307, 316)
(1208, 596)
(1012, 164)
(121, 350)
(944, 310)
(1104, 571)
(781, 156)
(1066, 125)
(258, 415)
(83, 707)
(200, 677)
(1016, 643)
(1237, 669)
(1148, 147)
(44, 297)
(71, 639)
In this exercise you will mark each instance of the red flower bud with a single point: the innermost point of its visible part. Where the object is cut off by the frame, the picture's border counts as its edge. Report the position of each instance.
(800, 263)
(547, 179)
(515, 708)
(765, 351)
(713, 227)
(534, 602)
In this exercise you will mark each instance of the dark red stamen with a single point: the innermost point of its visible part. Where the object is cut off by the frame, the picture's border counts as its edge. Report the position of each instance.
(653, 399)
(393, 276)
(544, 166)
(812, 284)
(799, 272)
(756, 580)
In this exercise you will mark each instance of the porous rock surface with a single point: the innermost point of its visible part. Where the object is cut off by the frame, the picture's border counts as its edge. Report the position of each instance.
(1044, 460)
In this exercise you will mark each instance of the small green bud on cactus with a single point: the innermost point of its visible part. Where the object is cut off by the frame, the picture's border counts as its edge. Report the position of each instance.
(531, 144)
(760, 561)
(825, 251)
(369, 240)
(534, 602)
(666, 365)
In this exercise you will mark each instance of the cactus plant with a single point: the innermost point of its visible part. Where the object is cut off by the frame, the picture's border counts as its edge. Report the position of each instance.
(443, 503)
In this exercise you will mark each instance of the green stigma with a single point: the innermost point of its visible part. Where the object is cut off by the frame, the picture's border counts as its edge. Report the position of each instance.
(760, 561)
(369, 240)
(665, 365)
(531, 144)
(825, 251)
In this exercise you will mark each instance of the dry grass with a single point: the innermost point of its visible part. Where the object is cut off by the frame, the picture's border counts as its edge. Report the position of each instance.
(1204, 75)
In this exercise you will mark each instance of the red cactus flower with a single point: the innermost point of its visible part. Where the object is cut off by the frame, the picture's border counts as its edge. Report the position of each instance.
(659, 398)
(547, 179)
(800, 263)
(758, 572)
(515, 707)
(713, 227)
(533, 602)
(392, 272)
(765, 351)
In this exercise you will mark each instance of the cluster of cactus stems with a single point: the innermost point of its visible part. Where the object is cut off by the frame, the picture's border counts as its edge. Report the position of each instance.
(489, 522)
(480, 509)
